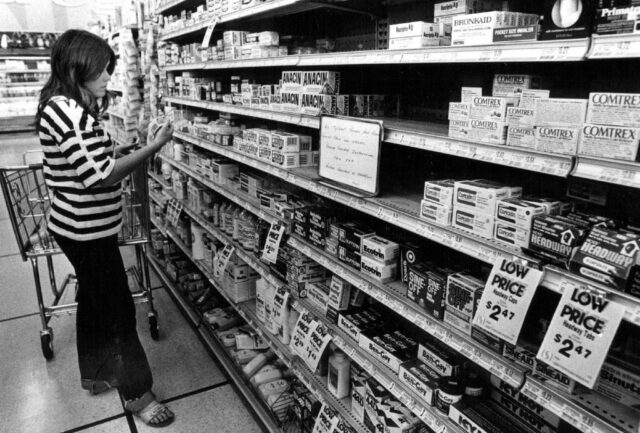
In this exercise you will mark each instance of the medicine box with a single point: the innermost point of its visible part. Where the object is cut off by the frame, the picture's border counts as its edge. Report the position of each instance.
(557, 139)
(290, 101)
(517, 116)
(268, 38)
(324, 82)
(285, 159)
(459, 7)
(468, 93)
(487, 131)
(314, 104)
(489, 108)
(291, 81)
(477, 29)
(436, 213)
(380, 249)
(378, 271)
(443, 360)
(439, 191)
(459, 111)
(463, 294)
(512, 85)
(415, 42)
(459, 129)
(517, 212)
(285, 141)
(512, 235)
(616, 109)
(405, 30)
(521, 136)
(339, 293)
(482, 196)
(422, 380)
(477, 223)
(613, 142)
(569, 113)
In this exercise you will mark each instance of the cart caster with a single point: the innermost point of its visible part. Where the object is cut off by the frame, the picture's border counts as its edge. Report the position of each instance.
(153, 326)
(46, 341)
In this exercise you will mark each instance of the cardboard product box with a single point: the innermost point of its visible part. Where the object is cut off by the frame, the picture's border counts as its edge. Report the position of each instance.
(264, 153)
(250, 136)
(240, 291)
(353, 324)
(380, 249)
(551, 207)
(264, 137)
(318, 295)
(316, 237)
(482, 416)
(521, 136)
(614, 109)
(321, 82)
(379, 271)
(436, 291)
(617, 19)
(489, 108)
(517, 116)
(568, 113)
(468, 93)
(427, 39)
(410, 254)
(384, 351)
(405, 30)
(375, 394)
(459, 111)
(566, 23)
(321, 218)
(478, 29)
(459, 7)
(348, 256)
(524, 355)
(614, 142)
(459, 129)
(351, 235)
(487, 339)
(417, 283)
(339, 293)
(463, 294)
(421, 379)
(481, 195)
(512, 85)
(557, 139)
(290, 101)
(300, 229)
(512, 235)
(359, 377)
(439, 191)
(358, 105)
(285, 141)
(555, 238)
(315, 104)
(223, 171)
(619, 384)
(609, 257)
(291, 81)
(518, 212)
(591, 220)
(487, 131)
(530, 97)
(285, 159)
(275, 103)
(342, 105)
(436, 213)
(260, 52)
(439, 357)
(268, 38)
(233, 38)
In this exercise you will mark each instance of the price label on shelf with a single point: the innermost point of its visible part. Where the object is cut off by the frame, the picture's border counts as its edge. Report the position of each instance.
(580, 334)
(222, 260)
(272, 244)
(506, 299)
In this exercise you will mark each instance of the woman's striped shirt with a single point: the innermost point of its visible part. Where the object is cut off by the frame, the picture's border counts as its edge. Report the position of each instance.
(78, 155)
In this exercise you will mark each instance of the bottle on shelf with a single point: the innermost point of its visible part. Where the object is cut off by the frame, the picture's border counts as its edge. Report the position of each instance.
(338, 377)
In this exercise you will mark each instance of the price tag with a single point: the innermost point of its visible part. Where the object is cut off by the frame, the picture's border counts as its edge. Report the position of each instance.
(272, 245)
(278, 310)
(506, 299)
(222, 260)
(580, 334)
(300, 336)
(319, 339)
(209, 32)
(174, 208)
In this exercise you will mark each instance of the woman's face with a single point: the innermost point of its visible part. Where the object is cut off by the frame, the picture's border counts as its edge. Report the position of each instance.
(98, 87)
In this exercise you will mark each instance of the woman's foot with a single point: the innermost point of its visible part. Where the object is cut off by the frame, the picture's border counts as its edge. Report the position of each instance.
(150, 411)
(95, 387)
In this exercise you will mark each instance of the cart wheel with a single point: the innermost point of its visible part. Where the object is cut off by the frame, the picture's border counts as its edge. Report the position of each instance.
(153, 326)
(46, 341)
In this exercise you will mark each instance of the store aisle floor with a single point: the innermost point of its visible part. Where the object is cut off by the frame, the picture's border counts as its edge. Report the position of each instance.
(40, 396)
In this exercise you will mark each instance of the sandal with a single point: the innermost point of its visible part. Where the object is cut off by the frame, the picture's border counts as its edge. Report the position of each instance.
(152, 413)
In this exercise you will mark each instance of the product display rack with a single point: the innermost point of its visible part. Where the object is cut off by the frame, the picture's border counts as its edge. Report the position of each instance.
(585, 410)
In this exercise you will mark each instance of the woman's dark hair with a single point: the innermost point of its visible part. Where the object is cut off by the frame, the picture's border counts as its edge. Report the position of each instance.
(77, 57)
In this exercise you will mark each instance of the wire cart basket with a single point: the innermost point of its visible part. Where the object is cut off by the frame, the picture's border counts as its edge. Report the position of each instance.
(28, 201)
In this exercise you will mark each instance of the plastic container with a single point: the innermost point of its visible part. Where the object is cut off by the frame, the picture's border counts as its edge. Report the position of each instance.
(450, 391)
(338, 377)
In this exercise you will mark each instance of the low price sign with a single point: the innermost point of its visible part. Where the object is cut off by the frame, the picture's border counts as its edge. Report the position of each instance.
(580, 334)
(272, 244)
(222, 260)
(506, 299)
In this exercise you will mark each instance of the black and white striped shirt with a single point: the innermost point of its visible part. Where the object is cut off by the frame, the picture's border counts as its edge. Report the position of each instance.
(78, 155)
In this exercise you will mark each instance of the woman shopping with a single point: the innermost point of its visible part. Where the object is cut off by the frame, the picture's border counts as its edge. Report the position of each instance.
(83, 175)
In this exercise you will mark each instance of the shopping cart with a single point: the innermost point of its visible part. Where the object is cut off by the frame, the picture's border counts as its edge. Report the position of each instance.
(27, 199)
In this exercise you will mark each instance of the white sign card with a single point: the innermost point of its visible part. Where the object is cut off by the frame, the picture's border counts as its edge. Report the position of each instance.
(272, 244)
(209, 32)
(319, 339)
(350, 152)
(222, 260)
(326, 421)
(506, 299)
(279, 307)
(580, 334)
(305, 324)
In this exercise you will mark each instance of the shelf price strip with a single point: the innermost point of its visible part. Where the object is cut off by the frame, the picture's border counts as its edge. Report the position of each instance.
(580, 334)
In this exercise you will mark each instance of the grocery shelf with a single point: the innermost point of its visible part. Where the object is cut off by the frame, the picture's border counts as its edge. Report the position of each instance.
(393, 296)
(159, 179)
(434, 138)
(23, 71)
(217, 348)
(171, 6)
(236, 196)
(194, 28)
(401, 211)
(614, 46)
(184, 67)
(584, 409)
(17, 123)
(276, 116)
(558, 280)
(24, 84)
(617, 172)
(387, 378)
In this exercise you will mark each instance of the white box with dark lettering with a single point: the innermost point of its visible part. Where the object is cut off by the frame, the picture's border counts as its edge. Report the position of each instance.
(405, 30)
(511, 235)
(487, 131)
(557, 139)
(379, 271)
(617, 109)
(459, 111)
(381, 249)
(477, 223)
(489, 108)
(512, 85)
(325, 82)
(482, 196)
(569, 113)
(521, 136)
(290, 101)
(415, 42)
(291, 81)
(517, 116)
(477, 29)
(614, 142)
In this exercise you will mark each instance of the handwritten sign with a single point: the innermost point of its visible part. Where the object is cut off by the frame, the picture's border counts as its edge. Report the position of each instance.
(580, 334)
(350, 152)
(506, 299)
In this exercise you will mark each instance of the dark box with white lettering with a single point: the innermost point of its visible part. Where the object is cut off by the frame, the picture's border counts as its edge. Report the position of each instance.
(321, 218)
(316, 237)
(353, 324)
(560, 22)
(444, 360)
(422, 379)
(349, 256)
(384, 350)
(350, 235)
(610, 258)
(300, 229)
(479, 416)
(410, 254)
(554, 238)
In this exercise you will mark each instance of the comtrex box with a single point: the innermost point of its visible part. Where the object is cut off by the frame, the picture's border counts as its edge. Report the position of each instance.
(463, 294)
(611, 258)
(380, 249)
(615, 142)
(482, 196)
(555, 112)
(518, 212)
(487, 131)
(489, 108)
(555, 238)
(420, 378)
(557, 139)
(475, 222)
(521, 136)
(436, 213)
(459, 111)
(439, 191)
(517, 116)
(512, 85)
(616, 109)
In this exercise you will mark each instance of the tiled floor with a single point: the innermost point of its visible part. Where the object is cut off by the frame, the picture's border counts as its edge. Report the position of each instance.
(40, 396)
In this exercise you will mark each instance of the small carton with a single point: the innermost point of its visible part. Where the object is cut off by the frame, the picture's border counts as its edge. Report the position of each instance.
(568, 113)
(521, 136)
(285, 141)
(616, 109)
(324, 82)
(463, 294)
(459, 111)
(555, 238)
(518, 116)
(314, 104)
(518, 212)
(291, 81)
(482, 196)
(339, 294)
(430, 39)
(439, 191)
(438, 356)
(436, 213)
(479, 224)
(378, 271)
(290, 101)
(512, 235)
(529, 97)
(487, 131)
(410, 254)
(380, 249)
(459, 129)
(512, 85)
(489, 108)
(614, 142)
(405, 30)
(421, 379)
(468, 93)
(285, 159)
(557, 139)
